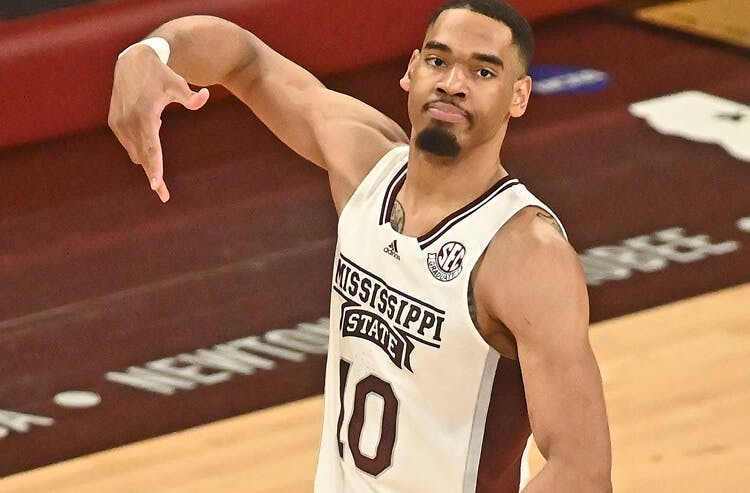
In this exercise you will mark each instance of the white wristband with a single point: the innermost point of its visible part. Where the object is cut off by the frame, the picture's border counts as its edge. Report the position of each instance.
(159, 45)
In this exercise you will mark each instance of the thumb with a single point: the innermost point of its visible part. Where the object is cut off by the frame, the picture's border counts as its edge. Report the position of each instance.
(196, 100)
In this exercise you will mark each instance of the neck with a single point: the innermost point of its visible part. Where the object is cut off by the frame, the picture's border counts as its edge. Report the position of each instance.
(444, 185)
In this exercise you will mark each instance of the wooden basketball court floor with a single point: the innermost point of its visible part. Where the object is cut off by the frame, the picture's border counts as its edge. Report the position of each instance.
(675, 379)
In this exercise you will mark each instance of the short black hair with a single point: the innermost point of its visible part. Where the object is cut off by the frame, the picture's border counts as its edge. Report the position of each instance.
(501, 11)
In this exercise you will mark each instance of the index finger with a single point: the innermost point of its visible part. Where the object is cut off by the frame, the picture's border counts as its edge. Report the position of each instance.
(162, 191)
(153, 163)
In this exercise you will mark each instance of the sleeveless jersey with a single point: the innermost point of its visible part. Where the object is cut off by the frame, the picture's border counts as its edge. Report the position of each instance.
(415, 399)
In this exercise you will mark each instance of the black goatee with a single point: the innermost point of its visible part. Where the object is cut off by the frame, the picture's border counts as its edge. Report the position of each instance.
(438, 141)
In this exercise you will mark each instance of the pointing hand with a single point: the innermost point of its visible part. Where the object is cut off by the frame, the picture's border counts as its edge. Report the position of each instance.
(143, 87)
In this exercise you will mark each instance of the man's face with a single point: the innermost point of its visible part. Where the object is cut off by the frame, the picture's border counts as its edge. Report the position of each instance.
(465, 83)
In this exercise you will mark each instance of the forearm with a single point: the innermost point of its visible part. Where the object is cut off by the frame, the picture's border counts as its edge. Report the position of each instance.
(207, 50)
(559, 477)
(577, 447)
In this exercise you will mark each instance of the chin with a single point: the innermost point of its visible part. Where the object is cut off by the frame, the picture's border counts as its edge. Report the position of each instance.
(438, 141)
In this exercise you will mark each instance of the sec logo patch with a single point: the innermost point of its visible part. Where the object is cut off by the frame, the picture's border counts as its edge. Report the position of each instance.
(447, 263)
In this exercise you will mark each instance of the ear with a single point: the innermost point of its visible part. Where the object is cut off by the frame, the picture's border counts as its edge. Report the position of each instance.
(405, 81)
(521, 94)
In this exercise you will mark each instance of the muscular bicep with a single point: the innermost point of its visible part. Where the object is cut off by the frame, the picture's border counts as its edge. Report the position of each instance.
(542, 299)
(328, 128)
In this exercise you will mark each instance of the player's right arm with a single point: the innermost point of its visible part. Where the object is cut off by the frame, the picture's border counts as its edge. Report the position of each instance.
(531, 281)
(337, 132)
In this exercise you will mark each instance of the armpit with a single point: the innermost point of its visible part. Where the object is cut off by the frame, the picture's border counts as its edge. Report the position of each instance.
(494, 332)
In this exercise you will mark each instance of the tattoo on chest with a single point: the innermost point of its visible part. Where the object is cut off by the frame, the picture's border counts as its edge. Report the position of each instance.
(398, 217)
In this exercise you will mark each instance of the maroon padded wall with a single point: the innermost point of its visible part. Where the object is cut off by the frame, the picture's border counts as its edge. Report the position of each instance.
(56, 68)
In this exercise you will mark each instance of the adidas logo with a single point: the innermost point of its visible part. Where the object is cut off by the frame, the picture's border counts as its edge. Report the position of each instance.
(392, 250)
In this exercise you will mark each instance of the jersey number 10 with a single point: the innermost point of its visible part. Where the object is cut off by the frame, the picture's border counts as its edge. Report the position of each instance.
(368, 385)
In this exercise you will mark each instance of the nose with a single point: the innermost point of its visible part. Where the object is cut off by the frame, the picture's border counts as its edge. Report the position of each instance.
(453, 83)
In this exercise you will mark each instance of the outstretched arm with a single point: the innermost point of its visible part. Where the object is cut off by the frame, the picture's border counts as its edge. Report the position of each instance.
(541, 297)
(295, 105)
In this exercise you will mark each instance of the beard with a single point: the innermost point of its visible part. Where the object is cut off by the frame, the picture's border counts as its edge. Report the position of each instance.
(439, 142)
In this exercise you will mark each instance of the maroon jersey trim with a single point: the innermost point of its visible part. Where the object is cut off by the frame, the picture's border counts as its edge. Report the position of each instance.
(390, 194)
(446, 224)
(506, 432)
(427, 239)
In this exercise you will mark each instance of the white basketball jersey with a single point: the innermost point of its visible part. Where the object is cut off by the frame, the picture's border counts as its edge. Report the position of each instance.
(415, 400)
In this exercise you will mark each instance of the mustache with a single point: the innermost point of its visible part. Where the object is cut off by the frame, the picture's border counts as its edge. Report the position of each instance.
(450, 101)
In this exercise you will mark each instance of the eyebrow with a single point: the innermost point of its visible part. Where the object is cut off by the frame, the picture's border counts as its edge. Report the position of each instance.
(482, 57)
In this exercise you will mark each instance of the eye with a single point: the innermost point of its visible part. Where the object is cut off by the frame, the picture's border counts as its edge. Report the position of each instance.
(485, 73)
(435, 61)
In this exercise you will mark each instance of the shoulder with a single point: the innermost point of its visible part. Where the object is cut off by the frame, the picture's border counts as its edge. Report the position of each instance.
(531, 274)
(354, 138)
(530, 239)
(352, 130)
(531, 236)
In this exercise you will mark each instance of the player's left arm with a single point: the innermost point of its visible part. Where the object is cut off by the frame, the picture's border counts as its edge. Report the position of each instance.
(538, 291)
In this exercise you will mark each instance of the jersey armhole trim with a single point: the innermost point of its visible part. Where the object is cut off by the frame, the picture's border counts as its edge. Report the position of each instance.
(372, 175)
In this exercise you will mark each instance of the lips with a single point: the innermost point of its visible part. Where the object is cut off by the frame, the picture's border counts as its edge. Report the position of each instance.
(447, 112)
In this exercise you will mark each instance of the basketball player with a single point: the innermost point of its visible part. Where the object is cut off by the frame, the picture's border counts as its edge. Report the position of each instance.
(459, 312)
